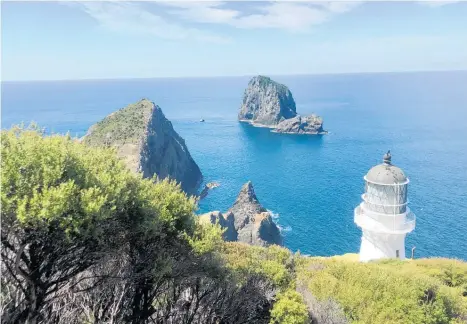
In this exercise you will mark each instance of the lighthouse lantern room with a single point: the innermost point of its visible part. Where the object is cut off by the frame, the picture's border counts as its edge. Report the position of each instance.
(383, 215)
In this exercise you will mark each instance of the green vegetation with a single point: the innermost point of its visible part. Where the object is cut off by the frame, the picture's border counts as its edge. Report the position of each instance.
(278, 265)
(415, 291)
(123, 126)
(342, 290)
(265, 81)
(289, 308)
(84, 240)
(275, 262)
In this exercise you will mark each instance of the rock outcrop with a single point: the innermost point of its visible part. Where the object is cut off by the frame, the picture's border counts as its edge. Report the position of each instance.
(247, 221)
(225, 221)
(266, 102)
(301, 125)
(146, 141)
(207, 187)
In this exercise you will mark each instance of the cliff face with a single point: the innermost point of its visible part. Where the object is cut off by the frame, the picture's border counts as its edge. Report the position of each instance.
(247, 221)
(146, 141)
(266, 102)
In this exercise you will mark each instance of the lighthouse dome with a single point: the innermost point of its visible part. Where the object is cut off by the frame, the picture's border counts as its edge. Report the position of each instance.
(386, 173)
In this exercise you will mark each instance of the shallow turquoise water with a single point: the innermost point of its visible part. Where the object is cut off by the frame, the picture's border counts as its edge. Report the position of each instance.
(311, 183)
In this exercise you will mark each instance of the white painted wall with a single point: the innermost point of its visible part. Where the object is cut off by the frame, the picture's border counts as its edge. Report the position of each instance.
(376, 246)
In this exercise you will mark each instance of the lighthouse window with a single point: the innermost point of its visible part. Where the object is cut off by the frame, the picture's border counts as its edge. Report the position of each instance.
(397, 253)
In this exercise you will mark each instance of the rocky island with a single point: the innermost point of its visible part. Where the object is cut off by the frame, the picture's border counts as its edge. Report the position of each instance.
(246, 221)
(146, 140)
(312, 125)
(267, 103)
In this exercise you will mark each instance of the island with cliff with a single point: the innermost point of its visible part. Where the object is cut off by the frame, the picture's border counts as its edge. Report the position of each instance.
(146, 140)
(267, 103)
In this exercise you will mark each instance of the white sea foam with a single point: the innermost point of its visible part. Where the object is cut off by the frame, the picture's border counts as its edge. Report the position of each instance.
(275, 217)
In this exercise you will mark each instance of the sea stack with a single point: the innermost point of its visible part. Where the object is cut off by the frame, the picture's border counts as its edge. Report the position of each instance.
(267, 103)
(146, 141)
(247, 221)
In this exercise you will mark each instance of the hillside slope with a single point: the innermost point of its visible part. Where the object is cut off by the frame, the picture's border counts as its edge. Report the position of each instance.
(341, 290)
(146, 140)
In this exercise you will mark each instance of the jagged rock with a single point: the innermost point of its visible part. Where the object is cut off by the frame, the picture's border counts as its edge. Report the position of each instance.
(266, 102)
(246, 205)
(247, 221)
(253, 222)
(207, 187)
(225, 221)
(301, 125)
(146, 141)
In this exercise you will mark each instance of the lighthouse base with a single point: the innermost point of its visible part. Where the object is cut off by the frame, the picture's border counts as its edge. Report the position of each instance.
(377, 246)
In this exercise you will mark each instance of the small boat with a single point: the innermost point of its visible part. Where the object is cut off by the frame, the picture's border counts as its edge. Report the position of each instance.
(201, 120)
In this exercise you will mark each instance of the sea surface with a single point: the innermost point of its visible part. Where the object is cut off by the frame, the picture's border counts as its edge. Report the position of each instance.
(311, 183)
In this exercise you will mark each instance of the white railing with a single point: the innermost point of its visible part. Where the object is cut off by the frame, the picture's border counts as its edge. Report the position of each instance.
(365, 207)
(365, 199)
(365, 220)
(387, 184)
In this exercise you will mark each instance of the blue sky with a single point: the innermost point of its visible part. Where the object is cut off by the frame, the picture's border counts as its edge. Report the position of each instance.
(87, 40)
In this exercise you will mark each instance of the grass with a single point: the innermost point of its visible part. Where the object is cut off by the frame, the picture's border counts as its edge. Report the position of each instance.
(265, 81)
(390, 291)
(126, 125)
(420, 291)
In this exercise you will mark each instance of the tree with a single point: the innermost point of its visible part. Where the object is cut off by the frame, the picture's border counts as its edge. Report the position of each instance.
(85, 240)
(58, 198)
(64, 206)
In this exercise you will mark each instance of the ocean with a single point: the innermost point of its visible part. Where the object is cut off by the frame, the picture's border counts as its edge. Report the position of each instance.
(311, 184)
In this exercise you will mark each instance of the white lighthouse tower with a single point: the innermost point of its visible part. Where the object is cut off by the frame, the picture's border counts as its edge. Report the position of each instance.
(383, 215)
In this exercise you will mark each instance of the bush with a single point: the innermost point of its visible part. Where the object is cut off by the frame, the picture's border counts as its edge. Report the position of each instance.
(385, 292)
(289, 308)
(84, 240)
(59, 200)
(274, 262)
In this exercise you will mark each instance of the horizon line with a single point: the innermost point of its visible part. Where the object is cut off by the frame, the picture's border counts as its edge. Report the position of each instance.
(227, 76)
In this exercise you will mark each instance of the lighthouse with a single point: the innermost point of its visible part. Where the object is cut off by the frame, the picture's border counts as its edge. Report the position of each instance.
(383, 215)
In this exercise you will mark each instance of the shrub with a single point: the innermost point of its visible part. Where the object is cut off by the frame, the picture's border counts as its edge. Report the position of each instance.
(84, 240)
(289, 308)
(384, 292)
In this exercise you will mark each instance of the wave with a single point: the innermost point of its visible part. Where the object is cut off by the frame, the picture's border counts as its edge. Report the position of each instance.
(282, 228)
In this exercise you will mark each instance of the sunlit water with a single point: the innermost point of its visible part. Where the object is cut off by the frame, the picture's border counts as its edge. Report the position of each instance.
(310, 183)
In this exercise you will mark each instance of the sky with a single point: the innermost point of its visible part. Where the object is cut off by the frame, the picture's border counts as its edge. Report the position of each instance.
(105, 40)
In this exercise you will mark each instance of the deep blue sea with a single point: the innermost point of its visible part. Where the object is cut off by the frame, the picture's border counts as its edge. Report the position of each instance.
(310, 183)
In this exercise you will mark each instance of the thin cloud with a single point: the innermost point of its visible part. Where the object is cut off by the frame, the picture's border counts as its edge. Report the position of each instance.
(132, 18)
(188, 20)
(437, 3)
(287, 15)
